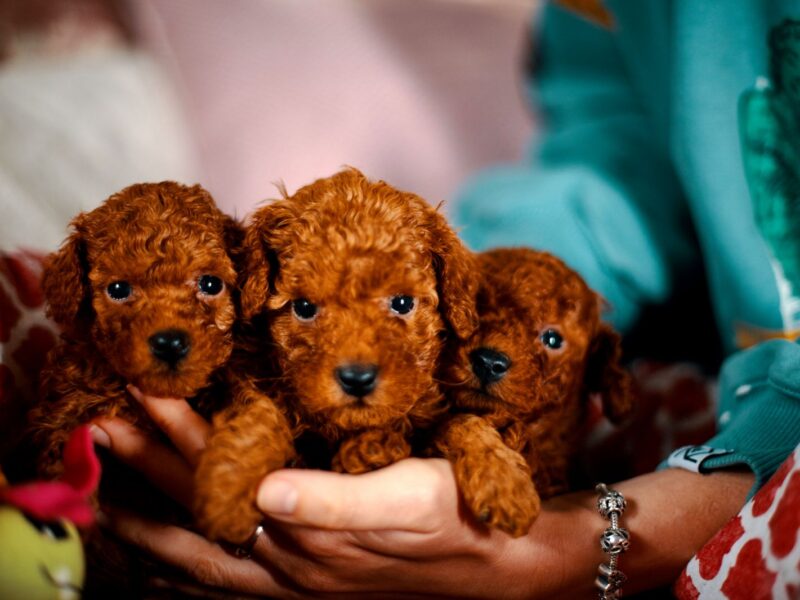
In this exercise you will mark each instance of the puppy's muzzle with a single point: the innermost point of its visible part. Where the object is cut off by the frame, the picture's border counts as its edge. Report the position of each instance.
(357, 380)
(489, 365)
(169, 345)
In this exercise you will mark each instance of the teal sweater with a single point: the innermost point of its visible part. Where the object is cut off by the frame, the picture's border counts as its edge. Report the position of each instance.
(638, 177)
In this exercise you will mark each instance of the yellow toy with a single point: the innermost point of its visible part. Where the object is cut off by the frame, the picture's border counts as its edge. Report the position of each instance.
(41, 555)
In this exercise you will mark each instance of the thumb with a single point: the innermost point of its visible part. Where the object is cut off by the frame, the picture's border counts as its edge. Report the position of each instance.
(412, 495)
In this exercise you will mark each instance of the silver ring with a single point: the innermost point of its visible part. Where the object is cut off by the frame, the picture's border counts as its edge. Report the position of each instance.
(245, 551)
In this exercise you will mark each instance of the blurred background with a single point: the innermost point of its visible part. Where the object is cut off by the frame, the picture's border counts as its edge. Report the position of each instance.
(241, 94)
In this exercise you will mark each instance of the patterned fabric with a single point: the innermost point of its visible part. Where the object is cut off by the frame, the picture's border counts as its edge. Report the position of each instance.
(676, 406)
(757, 554)
(25, 337)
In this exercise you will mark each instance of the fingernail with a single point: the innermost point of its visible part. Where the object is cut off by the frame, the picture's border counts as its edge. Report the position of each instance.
(100, 437)
(278, 497)
(134, 391)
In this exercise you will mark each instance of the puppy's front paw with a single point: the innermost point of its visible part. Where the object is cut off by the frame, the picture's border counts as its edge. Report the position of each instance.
(370, 450)
(249, 440)
(498, 490)
(227, 512)
(225, 489)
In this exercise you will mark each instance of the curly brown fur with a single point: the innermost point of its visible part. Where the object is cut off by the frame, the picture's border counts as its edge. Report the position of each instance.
(537, 397)
(160, 238)
(494, 480)
(348, 246)
(251, 438)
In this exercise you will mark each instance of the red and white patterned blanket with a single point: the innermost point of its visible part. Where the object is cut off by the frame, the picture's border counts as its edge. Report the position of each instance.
(757, 554)
(25, 338)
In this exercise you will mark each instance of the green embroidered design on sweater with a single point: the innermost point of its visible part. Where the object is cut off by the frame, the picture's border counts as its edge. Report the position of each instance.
(769, 126)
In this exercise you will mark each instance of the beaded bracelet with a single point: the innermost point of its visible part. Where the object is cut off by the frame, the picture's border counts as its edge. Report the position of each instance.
(614, 541)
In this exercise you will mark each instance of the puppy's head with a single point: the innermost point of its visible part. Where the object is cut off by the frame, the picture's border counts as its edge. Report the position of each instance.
(148, 278)
(361, 281)
(540, 345)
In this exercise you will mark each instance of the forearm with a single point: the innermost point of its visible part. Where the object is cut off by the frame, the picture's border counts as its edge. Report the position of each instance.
(671, 514)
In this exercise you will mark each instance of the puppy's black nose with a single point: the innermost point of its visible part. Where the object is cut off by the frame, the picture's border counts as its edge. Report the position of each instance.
(169, 345)
(489, 365)
(357, 380)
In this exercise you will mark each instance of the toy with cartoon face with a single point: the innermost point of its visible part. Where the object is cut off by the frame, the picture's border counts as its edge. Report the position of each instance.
(41, 554)
(39, 559)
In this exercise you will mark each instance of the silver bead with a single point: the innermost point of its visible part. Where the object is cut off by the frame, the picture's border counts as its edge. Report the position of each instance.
(615, 540)
(607, 592)
(611, 502)
(609, 582)
(611, 575)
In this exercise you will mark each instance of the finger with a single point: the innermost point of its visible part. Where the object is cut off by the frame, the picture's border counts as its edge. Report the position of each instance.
(204, 561)
(411, 494)
(183, 426)
(160, 464)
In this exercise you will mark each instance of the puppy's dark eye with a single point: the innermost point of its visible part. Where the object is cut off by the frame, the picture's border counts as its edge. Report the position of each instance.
(119, 290)
(552, 339)
(304, 309)
(402, 305)
(210, 285)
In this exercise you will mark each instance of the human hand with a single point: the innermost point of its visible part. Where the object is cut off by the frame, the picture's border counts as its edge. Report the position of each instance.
(172, 470)
(400, 532)
(394, 532)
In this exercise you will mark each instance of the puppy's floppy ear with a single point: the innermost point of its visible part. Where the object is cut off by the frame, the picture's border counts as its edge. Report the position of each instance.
(199, 199)
(65, 279)
(260, 262)
(255, 275)
(457, 274)
(233, 238)
(233, 235)
(604, 375)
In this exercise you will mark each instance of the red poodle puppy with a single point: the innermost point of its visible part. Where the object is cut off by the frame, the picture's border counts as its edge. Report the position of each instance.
(144, 292)
(360, 283)
(524, 381)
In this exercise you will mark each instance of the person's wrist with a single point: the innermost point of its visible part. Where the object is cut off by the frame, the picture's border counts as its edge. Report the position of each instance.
(558, 558)
(577, 531)
(615, 541)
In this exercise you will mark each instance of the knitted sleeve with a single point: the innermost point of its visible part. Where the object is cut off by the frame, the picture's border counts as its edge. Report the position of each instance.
(598, 189)
(758, 423)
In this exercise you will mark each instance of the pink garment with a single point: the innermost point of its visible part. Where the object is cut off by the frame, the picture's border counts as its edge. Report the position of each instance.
(420, 94)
